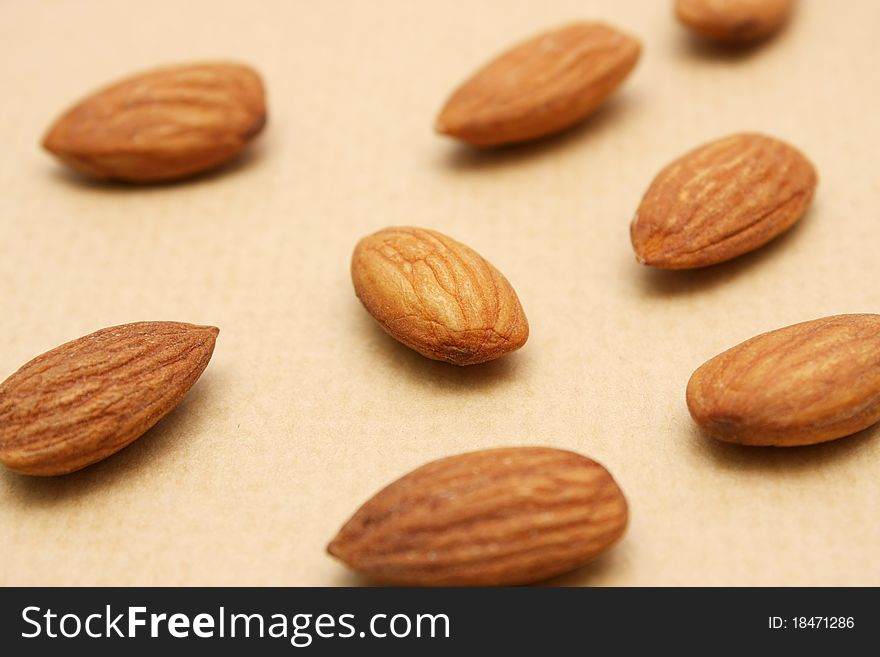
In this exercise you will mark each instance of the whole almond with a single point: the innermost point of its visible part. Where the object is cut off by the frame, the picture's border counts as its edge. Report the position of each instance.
(494, 517)
(734, 21)
(437, 296)
(89, 398)
(541, 86)
(798, 385)
(163, 124)
(721, 200)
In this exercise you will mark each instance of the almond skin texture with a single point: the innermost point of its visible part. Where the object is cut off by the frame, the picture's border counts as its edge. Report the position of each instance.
(437, 296)
(161, 125)
(721, 200)
(798, 385)
(734, 21)
(89, 398)
(489, 518)
(541, 86)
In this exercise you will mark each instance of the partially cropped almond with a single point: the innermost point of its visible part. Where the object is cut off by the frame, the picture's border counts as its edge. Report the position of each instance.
(734, 21)
(541, 86)
(798, 385)
(721, 200)
(89, 398)
(494, 517)
(163, 124)
(437, 296)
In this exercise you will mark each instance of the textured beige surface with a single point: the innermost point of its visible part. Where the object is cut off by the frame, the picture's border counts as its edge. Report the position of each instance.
(307, 407)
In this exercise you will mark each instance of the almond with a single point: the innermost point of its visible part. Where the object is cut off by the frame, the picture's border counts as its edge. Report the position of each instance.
(734, 21)
(437, 296)
(798, 385)
(541, 86)
(163, 124)
(721, 200)
(493, 517)
(89, 398)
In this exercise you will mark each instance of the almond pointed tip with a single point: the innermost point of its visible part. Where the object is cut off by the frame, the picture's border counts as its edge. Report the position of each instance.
(650, 251)
(333, 549)
(48, 143)
(213, 331)
(208, 333)
(646, 256)
(441, 127)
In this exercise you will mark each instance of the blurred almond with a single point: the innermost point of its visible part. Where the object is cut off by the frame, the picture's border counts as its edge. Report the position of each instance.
(489, 518)
(541, 86)
(734, 21)
(798, 385)
(163, 124)
(722, 200)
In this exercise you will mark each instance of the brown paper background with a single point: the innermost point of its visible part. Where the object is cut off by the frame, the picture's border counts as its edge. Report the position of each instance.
(307, 408)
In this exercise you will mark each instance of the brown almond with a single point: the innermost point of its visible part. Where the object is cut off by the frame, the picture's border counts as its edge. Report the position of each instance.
(89, 398)
(721, 200)
(163, 124)
(494, 517)
(541, 86)
(437, 296)
(734, 21)
(799, 385)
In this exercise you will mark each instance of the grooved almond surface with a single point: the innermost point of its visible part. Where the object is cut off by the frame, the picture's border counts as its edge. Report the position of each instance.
(798, 385)
(541, 86)
(494, 517)
(721, 200)
(734, 21)
(163, 124)
(89, 398)
(437, 296)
